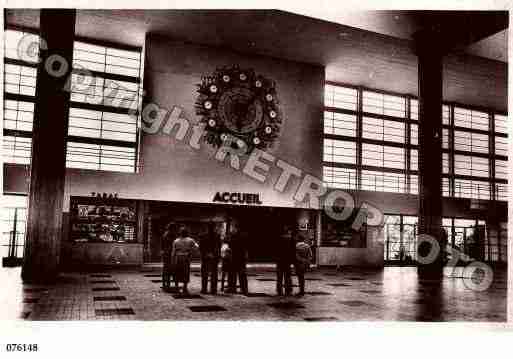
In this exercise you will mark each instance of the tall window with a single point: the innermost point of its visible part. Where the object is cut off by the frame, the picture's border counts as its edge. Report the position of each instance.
(370, 140)
(105, 86)
(104, 112)
(19, 98)
(476, 151)
(371, 143)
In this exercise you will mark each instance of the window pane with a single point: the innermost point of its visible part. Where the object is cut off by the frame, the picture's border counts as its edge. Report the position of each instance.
(501, 169)
(445, 114)
(414, 134)
(384, 104)
(414, 160)
(471, 189)
(339, 124)
(17, 149)
(18, 115)
(383, 130)
(501, 146)
(471, 166)
(501, 123)
(21, 43)
(339, 151)
(501, 190)
(445, 187)
(470, 142)
(100, 157)
(414, 184)
(383, 181)
(339, 177)
(471, 119)
(340, 97)
(20, 80)
(445, 163)
(414, 109)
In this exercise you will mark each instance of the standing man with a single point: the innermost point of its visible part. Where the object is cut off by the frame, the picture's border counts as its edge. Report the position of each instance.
(239, 260)
(167, 245)
(284, 259)
(302, 262)
(210, 247)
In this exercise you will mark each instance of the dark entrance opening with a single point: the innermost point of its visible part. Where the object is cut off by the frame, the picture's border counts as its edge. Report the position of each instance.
(259, 226)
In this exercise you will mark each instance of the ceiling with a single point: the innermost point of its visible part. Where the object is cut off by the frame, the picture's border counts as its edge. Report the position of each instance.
(269, 32)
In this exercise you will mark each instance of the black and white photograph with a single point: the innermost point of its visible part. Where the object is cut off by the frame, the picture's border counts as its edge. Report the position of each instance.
(253, 166)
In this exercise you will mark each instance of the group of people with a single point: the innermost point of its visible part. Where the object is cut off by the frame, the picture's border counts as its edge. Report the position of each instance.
(178, 249)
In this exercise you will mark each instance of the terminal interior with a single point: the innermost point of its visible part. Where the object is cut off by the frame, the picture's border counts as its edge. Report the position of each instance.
(365, 132)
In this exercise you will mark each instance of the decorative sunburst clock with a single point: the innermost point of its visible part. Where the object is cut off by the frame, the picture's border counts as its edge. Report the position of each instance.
(240, 103)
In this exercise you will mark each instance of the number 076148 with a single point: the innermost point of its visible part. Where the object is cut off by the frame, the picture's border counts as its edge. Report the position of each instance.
(21, 347)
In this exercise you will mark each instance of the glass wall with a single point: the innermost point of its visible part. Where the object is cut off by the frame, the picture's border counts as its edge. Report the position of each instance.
(400, 239)
(369, 138)
(104, 111)
(371, 143)
(477, 239)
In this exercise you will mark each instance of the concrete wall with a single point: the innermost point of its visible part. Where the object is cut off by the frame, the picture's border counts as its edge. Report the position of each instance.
(171, 170)
(385, 63)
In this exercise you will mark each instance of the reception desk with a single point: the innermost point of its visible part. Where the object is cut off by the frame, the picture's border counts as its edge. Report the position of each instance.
(102, 254)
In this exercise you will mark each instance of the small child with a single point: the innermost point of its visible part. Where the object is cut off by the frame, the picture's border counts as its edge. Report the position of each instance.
(226, 259)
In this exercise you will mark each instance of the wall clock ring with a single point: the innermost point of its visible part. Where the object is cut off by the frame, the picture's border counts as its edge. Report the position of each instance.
(238, 102)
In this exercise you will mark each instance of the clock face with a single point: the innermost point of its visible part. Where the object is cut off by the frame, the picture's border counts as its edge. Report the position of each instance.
(238, 102)
(240, 111)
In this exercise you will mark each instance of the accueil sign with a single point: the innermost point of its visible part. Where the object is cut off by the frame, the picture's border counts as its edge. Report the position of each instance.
(237, 197)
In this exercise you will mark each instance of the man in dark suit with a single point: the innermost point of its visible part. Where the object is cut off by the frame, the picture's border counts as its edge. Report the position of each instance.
(239, 261)
(285, 256)
(210, 249)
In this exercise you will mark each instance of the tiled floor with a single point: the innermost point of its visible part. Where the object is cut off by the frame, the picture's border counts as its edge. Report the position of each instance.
(392, 294)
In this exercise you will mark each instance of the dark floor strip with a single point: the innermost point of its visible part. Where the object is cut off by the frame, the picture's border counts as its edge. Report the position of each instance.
(286, 305)
(207, 308)
(100, 289)
(320, 319)
(114, 311)
(371, 291)
(257, 295)
(109, 298)
(102, 281)
(156, 280)
(100, 276)
(339, 285)
(319, 293)
(153, 275)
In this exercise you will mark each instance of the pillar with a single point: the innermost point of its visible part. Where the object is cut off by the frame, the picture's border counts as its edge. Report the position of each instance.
(48, 165)
(430, 61)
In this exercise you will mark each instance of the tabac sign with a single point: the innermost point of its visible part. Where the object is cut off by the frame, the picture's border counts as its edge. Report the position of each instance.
(237, 198)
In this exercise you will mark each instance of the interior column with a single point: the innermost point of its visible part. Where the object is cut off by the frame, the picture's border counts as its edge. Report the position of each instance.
(430, 61)
(48, 164)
